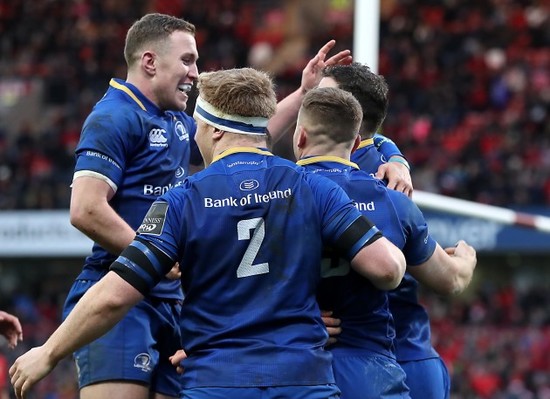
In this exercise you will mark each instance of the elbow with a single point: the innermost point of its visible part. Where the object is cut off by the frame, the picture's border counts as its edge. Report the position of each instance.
(399, 267)
(382, 263)
(395, 269)
(75, 219)
(78, 216)
(107, 301)
(112, 304)
(388, 282)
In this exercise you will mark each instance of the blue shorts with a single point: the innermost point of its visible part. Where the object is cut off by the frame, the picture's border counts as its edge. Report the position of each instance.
(372, 376)
(136, 349)
(329, 391)
(428, 379)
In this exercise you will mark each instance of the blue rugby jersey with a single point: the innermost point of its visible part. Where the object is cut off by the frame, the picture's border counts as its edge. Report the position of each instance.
(412, 324)
(385, 146)
(248, 232)
(141, 151)
(366, 318)
(375, 152)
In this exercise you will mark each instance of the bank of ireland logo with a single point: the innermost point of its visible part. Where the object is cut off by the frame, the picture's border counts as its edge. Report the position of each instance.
(249, 185)
(181, 131)
(143, 362)
(157, 138)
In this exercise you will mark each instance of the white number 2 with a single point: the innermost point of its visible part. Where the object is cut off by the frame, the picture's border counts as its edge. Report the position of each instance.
(246, 268)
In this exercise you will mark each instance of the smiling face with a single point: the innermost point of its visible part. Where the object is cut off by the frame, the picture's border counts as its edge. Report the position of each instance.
(175, 71)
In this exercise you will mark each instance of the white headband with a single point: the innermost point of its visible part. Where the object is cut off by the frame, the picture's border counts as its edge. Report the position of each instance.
(228, 122)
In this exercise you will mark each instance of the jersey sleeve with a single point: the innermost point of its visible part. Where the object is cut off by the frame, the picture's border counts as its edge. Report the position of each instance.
(105, 146)
(155, 249)
(344, 228)
(386, 146)
(419, 245)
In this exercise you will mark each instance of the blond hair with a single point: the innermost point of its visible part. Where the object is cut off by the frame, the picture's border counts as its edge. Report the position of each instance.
(241, 91)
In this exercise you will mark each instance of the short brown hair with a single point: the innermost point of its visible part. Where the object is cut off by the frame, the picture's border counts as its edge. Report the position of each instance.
(152, 29)
(332, 112)
(240, 91)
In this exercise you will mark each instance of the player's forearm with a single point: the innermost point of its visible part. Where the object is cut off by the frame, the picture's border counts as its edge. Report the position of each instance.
(454, 279)
(444, 273)
(286, 115)
(463, 273)
(104, 226)
(113, 236)
(96, 313)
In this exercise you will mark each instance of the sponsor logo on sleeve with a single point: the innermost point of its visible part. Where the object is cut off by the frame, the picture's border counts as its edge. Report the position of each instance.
(103, 157)
(153, 222)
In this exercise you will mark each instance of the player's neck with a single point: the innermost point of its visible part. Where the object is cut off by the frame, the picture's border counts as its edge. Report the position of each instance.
(142, 85)
(334, 150)
(229, 141)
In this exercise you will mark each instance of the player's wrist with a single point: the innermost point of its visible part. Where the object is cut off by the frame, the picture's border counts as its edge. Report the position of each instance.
(401, 160)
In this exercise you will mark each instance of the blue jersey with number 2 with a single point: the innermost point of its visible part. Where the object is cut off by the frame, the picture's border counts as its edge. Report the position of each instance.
(248, 232)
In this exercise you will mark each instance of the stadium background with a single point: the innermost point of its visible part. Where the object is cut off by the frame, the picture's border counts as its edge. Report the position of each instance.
(469, 91)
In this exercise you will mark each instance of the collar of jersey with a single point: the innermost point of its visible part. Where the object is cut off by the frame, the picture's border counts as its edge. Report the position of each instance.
(134, 94)
(366, 142)
(326, 158)
(234, 150)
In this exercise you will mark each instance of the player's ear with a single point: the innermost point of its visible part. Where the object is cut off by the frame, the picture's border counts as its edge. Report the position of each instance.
(356, 143)
(217, 134)
(148, 62)
(302, 138)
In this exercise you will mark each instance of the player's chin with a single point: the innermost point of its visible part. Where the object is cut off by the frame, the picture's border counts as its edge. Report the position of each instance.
(182, 100)
(180, 105)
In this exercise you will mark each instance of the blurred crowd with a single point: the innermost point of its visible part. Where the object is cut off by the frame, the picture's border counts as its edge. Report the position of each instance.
(470, 103)
(495, 341)
(469, 82)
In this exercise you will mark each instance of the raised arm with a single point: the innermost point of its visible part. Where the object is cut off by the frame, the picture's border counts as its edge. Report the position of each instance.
(448, 271)
(287, 108)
